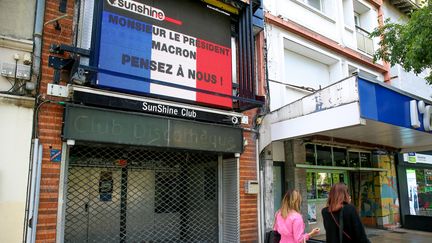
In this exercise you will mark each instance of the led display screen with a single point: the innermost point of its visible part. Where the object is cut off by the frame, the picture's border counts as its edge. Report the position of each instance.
(168, 48)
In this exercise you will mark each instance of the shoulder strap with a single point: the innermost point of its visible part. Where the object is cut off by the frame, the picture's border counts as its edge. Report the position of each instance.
(340, 224)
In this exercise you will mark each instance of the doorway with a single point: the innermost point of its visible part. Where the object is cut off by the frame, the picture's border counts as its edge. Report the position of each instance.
(318, 185)
(278, 184)
(362, 191)
(124, 194)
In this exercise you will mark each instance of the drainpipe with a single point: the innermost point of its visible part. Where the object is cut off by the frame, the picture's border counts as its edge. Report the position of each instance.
(37, 40)
(28, 228)
(34, 217)
(259, 196)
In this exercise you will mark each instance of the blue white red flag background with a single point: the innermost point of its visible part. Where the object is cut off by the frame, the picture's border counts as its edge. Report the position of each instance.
(177, 42)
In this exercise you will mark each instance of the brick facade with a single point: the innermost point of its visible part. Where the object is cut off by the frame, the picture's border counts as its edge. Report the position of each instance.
(50, 126)
(248, 202)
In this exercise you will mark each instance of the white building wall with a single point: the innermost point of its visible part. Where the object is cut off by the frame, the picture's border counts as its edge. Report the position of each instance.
(304, 71)
(348, 27)
(335, 21)
(16, 34)
(15, 129)
(293, 60)
(17, 18)
(16, 114)
(323, 22)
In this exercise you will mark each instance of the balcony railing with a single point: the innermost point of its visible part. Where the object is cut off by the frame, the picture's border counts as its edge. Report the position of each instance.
(364, 42)
(406, 6)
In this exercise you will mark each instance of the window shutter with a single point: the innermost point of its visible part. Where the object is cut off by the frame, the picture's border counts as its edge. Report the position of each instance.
(230, 201)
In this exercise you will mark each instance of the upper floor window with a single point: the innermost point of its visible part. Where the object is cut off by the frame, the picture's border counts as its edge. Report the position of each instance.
(364, 22)
(317, 4)
(357, 19)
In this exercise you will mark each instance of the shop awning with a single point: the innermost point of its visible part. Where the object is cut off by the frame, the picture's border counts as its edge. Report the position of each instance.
(356, 109)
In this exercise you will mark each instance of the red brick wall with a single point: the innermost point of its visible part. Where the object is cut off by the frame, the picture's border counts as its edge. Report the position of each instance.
(50, 123)
(248, 202)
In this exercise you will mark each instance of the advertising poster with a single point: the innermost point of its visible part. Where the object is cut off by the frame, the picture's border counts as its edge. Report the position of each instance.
(145, 45)
(412, 191)
(312, 213)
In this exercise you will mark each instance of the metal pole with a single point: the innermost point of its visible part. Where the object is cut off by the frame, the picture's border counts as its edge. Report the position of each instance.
(123, 204)
(259, 196)
(37, 195)
(29, 229)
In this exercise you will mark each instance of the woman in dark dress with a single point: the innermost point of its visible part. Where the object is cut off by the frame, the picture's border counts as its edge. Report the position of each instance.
(353, 230)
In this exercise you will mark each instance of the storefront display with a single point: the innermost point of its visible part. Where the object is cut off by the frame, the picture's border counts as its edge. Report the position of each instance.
(415, 186)
(420, 191)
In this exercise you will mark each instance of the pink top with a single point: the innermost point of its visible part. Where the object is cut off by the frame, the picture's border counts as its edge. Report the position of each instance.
(291, 229)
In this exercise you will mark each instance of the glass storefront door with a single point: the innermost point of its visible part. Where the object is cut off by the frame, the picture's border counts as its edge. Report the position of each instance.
(319, 183)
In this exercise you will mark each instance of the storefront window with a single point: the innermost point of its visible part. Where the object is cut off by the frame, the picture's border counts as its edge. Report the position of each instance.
(311, 185)
(354, 159)
(310, 154)
(324, 183)
(420, 191)
(318, 184)
(365, 160)
(338, 177)
(324, 155)
(340, 157)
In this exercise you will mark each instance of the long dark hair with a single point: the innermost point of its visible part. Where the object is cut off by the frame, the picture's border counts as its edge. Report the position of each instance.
(337, 196)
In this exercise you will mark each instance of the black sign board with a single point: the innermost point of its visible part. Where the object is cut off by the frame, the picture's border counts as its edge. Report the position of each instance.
(101, 125)
(153, 107)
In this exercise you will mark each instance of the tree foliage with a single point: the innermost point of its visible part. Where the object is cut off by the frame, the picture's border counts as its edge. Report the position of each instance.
(410, 44)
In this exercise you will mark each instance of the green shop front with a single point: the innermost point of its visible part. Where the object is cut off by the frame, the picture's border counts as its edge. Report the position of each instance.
(318, 141)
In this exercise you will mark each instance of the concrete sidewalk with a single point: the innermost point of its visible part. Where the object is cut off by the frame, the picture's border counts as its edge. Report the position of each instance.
(397, 235)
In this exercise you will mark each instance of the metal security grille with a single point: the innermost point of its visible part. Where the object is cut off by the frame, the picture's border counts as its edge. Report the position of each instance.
(136, 195)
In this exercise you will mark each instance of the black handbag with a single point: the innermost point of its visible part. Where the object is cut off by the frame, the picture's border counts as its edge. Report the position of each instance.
(272, 236)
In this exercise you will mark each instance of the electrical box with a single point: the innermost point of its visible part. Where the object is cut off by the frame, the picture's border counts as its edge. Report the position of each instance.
(58, 90)
(251, 187)
(23, 72)
(8, 70)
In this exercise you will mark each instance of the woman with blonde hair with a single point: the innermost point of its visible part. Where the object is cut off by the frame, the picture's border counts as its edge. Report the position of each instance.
(341, 221)
(289, 222)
